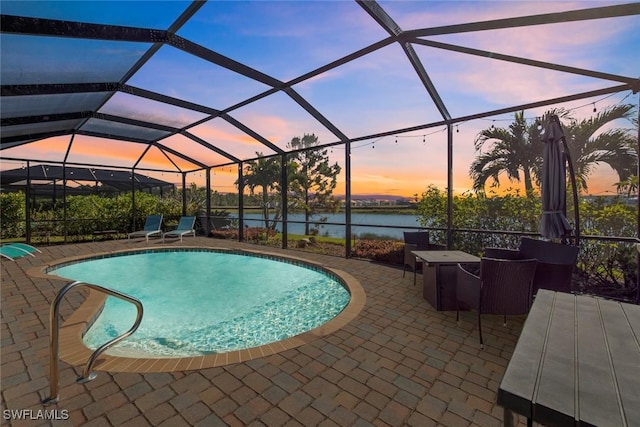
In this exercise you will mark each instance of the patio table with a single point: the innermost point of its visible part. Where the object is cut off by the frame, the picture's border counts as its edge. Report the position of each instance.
(439, 276)
(576, 363)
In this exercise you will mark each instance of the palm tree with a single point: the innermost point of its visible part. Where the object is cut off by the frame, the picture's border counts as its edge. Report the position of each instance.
(264, 175)
(589, 146)
(627, 186)
(515, 151)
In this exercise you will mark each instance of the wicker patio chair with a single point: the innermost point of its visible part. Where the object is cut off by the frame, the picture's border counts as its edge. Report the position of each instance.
(416, 241)
(503, 287)
(555, 262)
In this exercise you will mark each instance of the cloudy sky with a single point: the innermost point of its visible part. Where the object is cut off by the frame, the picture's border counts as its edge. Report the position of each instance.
(376, 93)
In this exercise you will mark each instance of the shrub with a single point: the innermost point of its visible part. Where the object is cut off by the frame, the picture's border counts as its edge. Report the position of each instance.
(12, 222)
(386, 251)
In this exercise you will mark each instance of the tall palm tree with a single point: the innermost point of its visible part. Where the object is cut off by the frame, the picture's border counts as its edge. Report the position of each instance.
(589, 146)
(514, 152)
(517, 151)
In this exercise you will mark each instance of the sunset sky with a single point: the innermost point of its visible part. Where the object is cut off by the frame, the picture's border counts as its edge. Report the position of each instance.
(377, 93)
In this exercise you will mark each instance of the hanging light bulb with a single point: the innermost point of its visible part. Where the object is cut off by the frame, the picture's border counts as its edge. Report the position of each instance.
(457, 130)
(424, 139)
(594, 107)
(396, 139)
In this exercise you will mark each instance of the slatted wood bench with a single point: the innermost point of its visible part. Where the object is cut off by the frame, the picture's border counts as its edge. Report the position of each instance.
(576, 363)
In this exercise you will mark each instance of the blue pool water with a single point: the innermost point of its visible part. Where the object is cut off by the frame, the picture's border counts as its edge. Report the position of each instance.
(203, 302)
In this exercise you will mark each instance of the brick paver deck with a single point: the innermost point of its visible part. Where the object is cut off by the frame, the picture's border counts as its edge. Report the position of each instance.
(398, 363)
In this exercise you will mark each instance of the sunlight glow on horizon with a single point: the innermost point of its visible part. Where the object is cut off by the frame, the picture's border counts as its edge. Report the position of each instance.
(378, 92)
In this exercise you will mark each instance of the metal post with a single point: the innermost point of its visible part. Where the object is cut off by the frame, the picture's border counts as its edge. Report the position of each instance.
(208, 202)
(27, 202)
(347, 201)
(240, 203)
(638, 208)
(133, 202)
(449, 186)
(64, 200)
(572, 178)
(284, 188)
(64, 186)
(184, 193)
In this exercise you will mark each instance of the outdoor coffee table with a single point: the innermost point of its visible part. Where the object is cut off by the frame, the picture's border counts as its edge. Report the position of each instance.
(439, 276)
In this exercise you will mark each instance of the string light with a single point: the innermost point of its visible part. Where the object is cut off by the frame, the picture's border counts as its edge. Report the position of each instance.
(594, 107)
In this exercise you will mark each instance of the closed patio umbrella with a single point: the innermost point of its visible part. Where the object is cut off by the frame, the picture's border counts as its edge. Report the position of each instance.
(554, 223)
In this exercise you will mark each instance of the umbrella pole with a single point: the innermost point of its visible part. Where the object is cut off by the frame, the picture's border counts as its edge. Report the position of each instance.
(574, 188)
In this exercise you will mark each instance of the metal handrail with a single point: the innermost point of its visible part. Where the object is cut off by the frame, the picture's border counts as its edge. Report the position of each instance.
(54, 345)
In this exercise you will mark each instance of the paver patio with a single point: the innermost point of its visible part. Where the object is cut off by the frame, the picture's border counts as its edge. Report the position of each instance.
(399, 362)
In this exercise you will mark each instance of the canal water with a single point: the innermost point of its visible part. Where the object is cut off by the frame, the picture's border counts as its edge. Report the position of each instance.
(375, 224)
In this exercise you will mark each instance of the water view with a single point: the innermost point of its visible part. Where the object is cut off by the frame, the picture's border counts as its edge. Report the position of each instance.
(376, 224)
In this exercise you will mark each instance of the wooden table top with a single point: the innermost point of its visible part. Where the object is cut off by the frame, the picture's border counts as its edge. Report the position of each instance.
(577, 363)
(446, 257)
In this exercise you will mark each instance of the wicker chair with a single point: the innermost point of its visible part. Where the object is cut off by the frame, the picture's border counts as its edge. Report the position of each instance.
(416, 241)
(555, 262)
(503, 287)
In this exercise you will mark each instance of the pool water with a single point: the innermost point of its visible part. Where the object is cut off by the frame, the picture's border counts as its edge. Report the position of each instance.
(203, 302)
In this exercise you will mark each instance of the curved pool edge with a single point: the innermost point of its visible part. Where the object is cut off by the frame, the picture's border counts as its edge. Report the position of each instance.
(74, 352)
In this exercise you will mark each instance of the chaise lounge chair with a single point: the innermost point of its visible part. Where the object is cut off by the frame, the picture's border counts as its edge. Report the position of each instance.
(185, 227)
(151, 228)
(17, 250)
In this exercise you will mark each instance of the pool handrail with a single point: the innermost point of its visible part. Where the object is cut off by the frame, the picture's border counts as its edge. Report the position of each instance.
(54, 345)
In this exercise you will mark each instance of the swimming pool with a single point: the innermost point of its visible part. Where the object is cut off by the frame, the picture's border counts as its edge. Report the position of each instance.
(205, 301)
